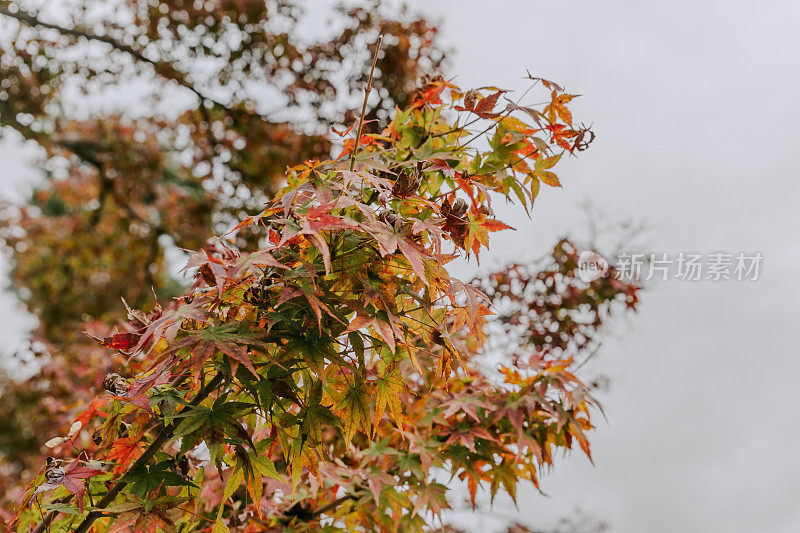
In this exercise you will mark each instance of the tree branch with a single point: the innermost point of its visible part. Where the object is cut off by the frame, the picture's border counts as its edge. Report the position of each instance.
(162, 68)
(333, 505)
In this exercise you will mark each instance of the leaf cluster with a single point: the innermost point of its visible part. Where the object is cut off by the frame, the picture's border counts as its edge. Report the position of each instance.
(328, 377)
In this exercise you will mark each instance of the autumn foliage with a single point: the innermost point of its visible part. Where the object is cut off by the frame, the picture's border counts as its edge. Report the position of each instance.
(326, 376)
(322, 369)
(124, 188)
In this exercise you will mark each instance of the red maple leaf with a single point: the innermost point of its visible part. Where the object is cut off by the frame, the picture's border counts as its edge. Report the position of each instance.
(92, 410)
(124, 451)
(70, 477)
(122, 342)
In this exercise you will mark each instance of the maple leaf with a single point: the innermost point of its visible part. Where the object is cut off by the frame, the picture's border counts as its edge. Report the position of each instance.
(541, 172)
(504, 474)
(468, 404)
(477, 234)
(70, 478)
(495, 225)
(249, 262)
(124, 451)
(536, 115)
(557, 107)
(388, 389)
(431, 496)
(384, 329)
(318, 307)
(474, 296)
(228, 338)
(166, 326)
(145, 514)
(547, 83)
(122, 342)
(385, 235)
(255, 466)
(92, 410)
(466, 437)
(484, 107)
(430, 92)
(354, 409)
(238, 353)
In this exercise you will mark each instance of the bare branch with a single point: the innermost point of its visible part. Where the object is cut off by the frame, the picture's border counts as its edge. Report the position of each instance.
(364, 106)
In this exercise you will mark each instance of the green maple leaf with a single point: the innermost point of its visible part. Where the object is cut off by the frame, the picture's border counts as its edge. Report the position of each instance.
(354, 409)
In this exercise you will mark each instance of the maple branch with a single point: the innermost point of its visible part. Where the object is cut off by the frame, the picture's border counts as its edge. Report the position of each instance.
(148, 454)
(364, 105)
(162, 68)
(333, 505)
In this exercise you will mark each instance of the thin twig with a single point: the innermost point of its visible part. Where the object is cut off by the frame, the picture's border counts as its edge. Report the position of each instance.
(364, 106)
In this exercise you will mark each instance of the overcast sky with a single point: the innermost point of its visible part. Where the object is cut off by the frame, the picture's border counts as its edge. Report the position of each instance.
(696, 107)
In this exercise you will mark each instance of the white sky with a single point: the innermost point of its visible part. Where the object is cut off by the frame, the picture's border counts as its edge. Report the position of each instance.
(695, 104)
